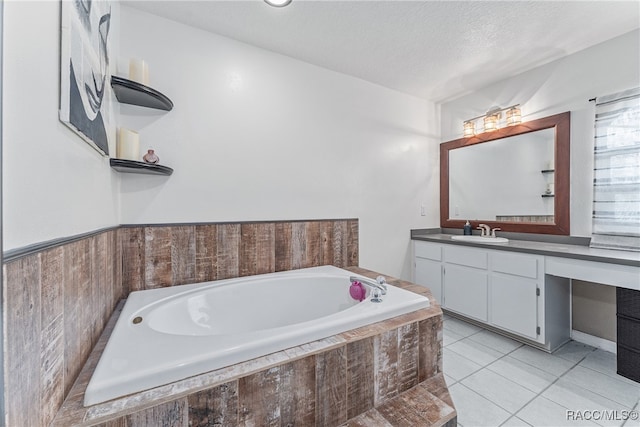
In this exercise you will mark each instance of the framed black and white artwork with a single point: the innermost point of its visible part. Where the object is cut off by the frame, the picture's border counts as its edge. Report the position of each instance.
(85, 94)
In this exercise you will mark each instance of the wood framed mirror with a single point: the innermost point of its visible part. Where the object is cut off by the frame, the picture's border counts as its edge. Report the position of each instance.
(515, 178)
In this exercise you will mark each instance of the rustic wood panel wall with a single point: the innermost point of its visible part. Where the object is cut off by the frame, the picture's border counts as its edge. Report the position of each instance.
(159, 256)
(325, 389)
(58, 300)
(57, 303)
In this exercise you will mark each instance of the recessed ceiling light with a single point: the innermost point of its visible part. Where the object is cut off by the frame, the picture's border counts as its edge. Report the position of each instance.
(277, 3)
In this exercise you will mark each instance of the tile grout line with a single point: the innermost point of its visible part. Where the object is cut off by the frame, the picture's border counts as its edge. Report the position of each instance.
(503, 356)
(490, 401)
(595, 392)
(623, 381)
(558, 379)
(539, 394)
(486, 366)
(482, 367)
(635, 408)
(574, 364)
(515, 416)
(545, 389)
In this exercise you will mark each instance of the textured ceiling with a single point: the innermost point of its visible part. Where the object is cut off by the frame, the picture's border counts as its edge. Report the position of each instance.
(435, 50)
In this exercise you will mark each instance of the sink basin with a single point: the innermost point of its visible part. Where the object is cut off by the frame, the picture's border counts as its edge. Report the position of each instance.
(480, 239)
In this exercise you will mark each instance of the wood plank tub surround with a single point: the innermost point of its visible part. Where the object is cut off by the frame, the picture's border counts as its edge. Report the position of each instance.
(60, 294)
(325, 383)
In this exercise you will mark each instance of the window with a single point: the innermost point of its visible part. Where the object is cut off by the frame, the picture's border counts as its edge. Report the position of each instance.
(616, 195)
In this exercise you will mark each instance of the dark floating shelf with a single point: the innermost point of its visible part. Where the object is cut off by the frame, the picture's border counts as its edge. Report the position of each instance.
(130, 92)
(132, 166)
(548, 195)
(548, 171)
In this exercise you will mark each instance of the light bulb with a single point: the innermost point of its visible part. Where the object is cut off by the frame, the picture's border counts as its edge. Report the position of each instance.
(469, 129)
(514, 116)
(491, 122)
(277, 3)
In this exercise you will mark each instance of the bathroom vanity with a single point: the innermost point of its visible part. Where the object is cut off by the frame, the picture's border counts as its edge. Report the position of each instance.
(520, 288)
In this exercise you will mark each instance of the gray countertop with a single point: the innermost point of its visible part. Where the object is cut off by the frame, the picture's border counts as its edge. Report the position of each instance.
(564, 250)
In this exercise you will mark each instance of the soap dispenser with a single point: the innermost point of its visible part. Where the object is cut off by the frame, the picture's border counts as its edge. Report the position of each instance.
(467, 229)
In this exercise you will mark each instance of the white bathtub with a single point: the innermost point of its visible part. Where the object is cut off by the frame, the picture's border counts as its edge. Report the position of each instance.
(164, 335)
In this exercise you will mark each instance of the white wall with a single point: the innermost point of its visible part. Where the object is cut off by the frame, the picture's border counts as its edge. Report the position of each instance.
(563, 85)
(260, 136)
(54, 184)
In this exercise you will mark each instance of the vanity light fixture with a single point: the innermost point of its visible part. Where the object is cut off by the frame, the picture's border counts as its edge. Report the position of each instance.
(278, 3)
(491, 119)
(469, 128)
(514, 116)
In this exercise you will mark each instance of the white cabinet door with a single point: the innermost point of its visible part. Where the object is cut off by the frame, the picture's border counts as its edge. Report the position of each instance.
(429, 273)
(465, 291)
(514, 304)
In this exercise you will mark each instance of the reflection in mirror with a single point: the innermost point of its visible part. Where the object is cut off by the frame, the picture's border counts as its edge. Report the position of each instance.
(478, 188)
(515, 178)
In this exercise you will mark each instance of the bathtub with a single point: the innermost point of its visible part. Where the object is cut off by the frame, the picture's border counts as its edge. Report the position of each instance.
(165, 335)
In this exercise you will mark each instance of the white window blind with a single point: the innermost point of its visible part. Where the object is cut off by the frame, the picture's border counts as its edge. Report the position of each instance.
(616, 184)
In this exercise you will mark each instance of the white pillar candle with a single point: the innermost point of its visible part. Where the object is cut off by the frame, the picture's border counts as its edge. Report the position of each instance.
(128, 146)
(139, 71)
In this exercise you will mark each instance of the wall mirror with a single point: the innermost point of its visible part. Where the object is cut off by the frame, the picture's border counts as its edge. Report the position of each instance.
(515, 178)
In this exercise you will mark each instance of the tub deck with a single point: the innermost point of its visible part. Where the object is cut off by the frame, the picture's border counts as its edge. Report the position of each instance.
(413, 392)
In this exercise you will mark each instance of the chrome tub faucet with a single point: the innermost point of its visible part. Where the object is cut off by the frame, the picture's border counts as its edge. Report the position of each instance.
(378, 286)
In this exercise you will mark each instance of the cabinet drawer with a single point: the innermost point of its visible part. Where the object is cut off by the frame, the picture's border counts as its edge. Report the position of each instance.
(628, 332)
(469, 257)
(628, 302)
(516, 264)
(428, 251)
(628, 363)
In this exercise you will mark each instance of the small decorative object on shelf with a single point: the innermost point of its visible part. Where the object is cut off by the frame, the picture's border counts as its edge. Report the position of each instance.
(151, 157)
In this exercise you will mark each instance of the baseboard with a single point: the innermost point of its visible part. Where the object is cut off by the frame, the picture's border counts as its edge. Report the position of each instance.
(594, 341)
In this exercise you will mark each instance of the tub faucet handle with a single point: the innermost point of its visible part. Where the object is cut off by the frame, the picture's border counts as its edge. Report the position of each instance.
(376, 295)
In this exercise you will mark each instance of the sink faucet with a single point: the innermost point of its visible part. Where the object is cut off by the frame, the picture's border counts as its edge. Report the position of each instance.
(493, 232)
(378, 286)
(485, 230)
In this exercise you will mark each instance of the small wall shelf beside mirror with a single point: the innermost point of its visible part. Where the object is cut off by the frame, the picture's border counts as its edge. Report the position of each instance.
(495, 178)
(134, 93)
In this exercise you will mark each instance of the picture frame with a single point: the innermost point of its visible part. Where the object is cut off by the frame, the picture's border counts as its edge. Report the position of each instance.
(85, 95)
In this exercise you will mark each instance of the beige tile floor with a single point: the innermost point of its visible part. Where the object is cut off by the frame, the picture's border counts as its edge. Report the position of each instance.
(496, 381)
